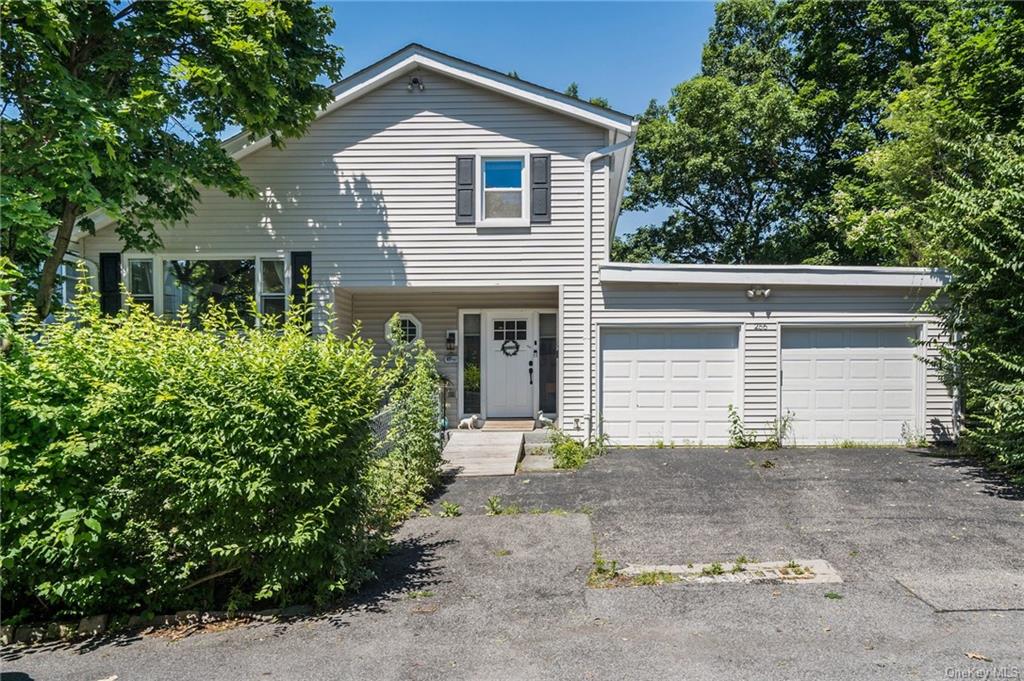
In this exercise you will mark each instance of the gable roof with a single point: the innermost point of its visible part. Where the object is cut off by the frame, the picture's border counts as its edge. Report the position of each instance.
(621, 126)
(414, 56)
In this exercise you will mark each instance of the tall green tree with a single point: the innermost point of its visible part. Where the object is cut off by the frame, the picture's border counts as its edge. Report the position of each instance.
(836, 66)
(120, 106)
(947, 188)
(722, 151)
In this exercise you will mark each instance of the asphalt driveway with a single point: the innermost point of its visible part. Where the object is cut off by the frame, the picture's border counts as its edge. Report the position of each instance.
(930, 549)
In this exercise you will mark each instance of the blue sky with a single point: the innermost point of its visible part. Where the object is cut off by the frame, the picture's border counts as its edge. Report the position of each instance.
(627, 52)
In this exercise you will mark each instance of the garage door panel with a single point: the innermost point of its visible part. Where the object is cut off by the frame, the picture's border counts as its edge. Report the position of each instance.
(616, 429)
(719, 400)
(864, 431)
(865, 368)
(650, 370)
(720, 369)
(794, 369)
(829, 399)
(677, 387)
(899, 399)
(650, 400)
(614, 399)
(683, 431)
(617, 369)
(849, 383)
(685, 399)
(864, 399)
(898, 368)
(827, 368)
(685, 369)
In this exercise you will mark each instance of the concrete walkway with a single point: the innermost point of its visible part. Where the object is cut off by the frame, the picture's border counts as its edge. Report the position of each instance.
(482, 452)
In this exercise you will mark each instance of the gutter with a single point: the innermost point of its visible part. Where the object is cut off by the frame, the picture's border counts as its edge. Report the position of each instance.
(588, 269)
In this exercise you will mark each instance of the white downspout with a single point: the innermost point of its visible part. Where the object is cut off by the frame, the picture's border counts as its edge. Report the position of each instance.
(588, 272)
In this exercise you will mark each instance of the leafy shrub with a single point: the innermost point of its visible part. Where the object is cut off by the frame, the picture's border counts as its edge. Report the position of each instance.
(569, 452)
(150, 466)
(399, 482)
(741, 438)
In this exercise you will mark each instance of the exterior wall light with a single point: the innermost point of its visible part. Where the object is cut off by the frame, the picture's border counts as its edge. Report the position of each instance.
(758, 292)
(415, 82)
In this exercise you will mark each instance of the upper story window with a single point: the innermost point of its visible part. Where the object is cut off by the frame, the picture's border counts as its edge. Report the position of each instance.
(503, 182)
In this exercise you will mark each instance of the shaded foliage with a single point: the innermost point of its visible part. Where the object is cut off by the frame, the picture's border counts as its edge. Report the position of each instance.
(152, 466)
(120, 107)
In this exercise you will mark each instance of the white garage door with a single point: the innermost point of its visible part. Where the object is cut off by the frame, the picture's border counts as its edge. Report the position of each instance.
(668, 385)
(857, 383)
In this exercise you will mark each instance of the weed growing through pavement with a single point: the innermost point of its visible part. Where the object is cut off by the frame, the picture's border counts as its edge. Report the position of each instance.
(654, 578)
(603, 571)
(450, 510)
(712, 570)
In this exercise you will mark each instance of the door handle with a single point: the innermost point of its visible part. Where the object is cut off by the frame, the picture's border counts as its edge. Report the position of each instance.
(531, 372)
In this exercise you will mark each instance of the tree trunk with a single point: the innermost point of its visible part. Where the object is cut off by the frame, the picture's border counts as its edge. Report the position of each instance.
(44, 296)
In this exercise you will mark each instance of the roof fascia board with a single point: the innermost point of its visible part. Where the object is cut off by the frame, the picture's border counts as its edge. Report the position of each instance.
(775, 275)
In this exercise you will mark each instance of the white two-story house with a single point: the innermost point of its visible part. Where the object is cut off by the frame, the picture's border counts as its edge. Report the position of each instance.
(481, 208)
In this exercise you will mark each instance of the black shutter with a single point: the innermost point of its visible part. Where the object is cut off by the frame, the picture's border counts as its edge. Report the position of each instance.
(465, 194)
(302, 275)
(540, 189)
(110, 283)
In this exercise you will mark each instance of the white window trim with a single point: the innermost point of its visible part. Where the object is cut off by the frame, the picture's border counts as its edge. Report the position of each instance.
(406, 316)
(483, 221)
(158, 271)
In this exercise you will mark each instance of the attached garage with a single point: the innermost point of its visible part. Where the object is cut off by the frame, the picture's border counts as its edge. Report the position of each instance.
(851, 383)
(837, 347)
(672, 385)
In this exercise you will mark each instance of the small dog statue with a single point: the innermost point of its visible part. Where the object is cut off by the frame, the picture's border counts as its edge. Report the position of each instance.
(544, 421)
(468, 423)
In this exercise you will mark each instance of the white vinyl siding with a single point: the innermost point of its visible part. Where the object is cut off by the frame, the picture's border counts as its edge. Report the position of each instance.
(370, 191)
(760, 404)
(941, 409)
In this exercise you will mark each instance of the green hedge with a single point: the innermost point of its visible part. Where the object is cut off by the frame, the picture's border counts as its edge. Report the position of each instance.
(150, 466)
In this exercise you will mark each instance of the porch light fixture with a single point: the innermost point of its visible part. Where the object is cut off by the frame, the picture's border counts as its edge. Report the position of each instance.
(415, 83)
(758, 292)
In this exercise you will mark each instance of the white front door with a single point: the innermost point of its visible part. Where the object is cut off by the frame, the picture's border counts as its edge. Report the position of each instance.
(511, 366)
